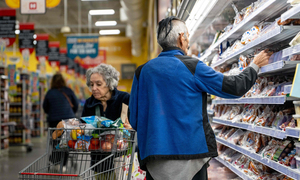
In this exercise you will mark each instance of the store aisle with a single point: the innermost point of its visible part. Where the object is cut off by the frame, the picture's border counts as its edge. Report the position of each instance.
(13, 163)
(17, 160)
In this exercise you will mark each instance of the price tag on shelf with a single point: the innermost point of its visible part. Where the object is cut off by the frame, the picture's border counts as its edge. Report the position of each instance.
(295, 91)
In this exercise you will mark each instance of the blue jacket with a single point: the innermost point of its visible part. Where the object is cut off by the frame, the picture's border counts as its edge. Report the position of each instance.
(56, 105)
(168, 105)
(114, 105)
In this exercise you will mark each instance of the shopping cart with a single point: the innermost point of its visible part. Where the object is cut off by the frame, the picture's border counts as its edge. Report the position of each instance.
(69, 156)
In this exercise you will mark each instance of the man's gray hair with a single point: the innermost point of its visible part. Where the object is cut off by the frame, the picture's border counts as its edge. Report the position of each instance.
(109, 74)
(167, 33)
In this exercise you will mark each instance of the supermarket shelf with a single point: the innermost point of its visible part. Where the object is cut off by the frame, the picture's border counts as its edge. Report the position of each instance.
(4, 137)
(279, 34)
(15, 114)
(266, 10)
(278, 67)
(256, 100)
(233, 169)
(4, 112)
(287, 89)
(4, 89)
(272, 164)
(9, 124)
(15, 104)
(293, 132)
(15, 134)
(208, 55)
(3, 77)
(262, 130)
(293, 13)
(291, 51)
(210, 112)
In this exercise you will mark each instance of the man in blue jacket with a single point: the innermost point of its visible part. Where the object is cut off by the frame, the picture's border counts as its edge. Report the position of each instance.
(168, 106)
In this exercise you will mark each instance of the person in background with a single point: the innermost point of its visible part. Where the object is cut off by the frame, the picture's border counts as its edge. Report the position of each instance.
(168, 106)
(105, 101)
(60, 103)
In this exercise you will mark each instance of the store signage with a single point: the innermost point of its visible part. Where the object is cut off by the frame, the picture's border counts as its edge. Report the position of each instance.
(53, 54)
(8, 26)
(82, 46)
(42, 46)
(33, 6)
(16, 3)
(26, 37)
(63, 59)
(128, 70)
(89, 62)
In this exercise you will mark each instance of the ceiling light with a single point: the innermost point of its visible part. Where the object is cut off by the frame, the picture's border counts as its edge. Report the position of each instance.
(109, 32)
(106, 23)
(93, 0)
(102, 12)
(65, 29)
(17, 31)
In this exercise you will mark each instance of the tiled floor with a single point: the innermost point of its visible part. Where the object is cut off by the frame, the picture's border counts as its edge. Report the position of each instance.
(17, 160)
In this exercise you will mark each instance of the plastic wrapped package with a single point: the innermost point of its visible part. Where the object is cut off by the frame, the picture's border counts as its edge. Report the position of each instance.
(269, 151)
(236, 110)
(250, 114)
(258, 143)
(295, 57)
(231, 131)
(278, 119)
(293, 2)
(258, 4)
(226, 113)
(224, 131)
(243, 62)
(236, 136)
(262, 118)
(247, 10)
(238, 19)
(236, 46)
(246, 37)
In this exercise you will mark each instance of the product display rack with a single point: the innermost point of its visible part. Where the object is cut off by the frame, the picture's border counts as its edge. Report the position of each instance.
(281, 35)
(4, 116)
(20, 112)
(293, 173)
(233, 169)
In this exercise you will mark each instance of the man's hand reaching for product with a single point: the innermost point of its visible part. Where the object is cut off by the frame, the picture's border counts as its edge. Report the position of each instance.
(262, 58)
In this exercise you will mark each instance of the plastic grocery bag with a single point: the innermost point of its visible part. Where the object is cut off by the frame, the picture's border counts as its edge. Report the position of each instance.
(137, 173)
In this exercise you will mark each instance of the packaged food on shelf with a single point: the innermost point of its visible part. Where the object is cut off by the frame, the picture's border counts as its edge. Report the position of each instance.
(236, 136)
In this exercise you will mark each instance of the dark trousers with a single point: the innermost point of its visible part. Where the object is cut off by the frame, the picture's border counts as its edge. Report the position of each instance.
(56, 156)
(201, 175)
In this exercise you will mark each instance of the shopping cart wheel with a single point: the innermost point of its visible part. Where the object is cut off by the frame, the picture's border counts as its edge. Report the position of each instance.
(29, 148)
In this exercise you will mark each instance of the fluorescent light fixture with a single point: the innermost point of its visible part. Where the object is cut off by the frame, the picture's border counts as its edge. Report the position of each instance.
(106, 23)
(17, 31)
(102, 12)
(109, 32)
(94, 0)
(34, 36)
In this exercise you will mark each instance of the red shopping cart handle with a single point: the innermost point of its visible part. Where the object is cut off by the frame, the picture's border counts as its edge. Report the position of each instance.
(51, 174)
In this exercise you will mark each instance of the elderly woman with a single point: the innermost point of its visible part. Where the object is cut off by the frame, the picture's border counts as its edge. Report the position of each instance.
(105, 101)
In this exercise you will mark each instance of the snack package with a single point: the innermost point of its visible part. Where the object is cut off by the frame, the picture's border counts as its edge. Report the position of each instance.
(234, 112)
(243, 62)
(247, 10)
(236, 136)
(258, 143)
(246, 37)
(93, 120)
(295, 40)
(231, 131)
(278, 119)
(249, 140)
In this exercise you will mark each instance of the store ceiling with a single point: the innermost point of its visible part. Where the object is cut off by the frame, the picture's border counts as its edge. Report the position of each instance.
(53, 20)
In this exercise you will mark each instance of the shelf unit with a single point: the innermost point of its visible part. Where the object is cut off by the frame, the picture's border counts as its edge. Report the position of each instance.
(4, 116)
(233, 168)
(293, 173)
(293, 13)
(278, 34)
(256, 100)
(291, 51)
(280, 134)
(42, 115)
(20, 113)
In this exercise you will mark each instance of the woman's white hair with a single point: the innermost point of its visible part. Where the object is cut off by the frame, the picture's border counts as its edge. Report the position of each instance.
(168, 32)
(109, 74)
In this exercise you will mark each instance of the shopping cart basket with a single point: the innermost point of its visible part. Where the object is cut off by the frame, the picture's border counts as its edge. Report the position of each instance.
(106, 156)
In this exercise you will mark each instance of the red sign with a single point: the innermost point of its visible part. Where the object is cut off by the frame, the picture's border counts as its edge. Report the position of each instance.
(8, 24)
(42, 46)
(26, 37)
(32, 5)
(53, 53)
(89, 62)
